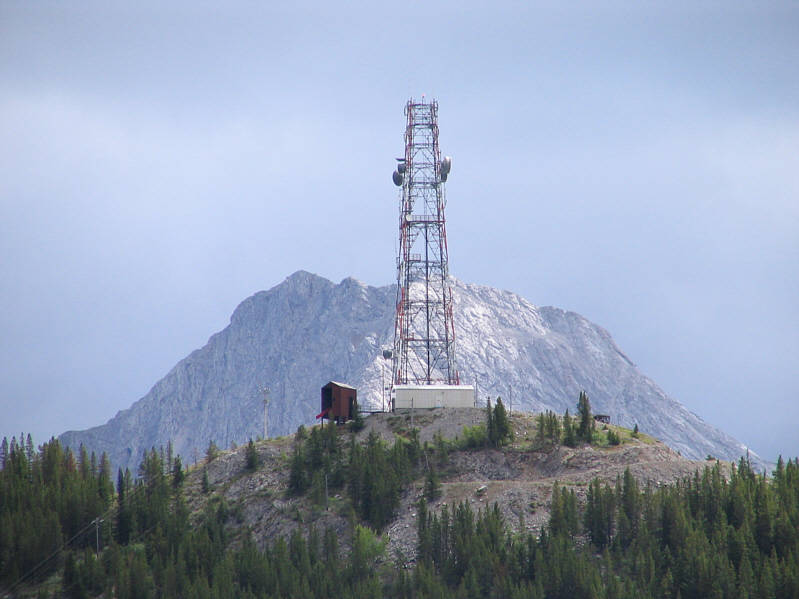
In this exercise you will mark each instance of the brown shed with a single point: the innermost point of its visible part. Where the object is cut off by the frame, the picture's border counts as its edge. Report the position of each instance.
(338, 402)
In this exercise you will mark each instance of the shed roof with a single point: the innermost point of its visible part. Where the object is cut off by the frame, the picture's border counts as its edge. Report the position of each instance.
(337, 384)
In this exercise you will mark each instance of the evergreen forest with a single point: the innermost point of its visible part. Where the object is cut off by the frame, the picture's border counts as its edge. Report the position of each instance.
(69, 527)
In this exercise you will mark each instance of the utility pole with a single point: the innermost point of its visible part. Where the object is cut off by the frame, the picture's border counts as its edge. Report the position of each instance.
(387, 355)
(97, 522)
(266, 399)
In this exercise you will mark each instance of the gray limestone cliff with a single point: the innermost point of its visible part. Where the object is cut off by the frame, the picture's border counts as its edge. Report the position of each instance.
(308, 331)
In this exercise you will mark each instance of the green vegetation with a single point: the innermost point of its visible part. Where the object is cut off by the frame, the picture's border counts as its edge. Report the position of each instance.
(569, 435)
(705, 537)
(251, 459)
(548, 427)
(585, 429)
(357, 423)
(65, 531)
(613, 437)
(495, 432)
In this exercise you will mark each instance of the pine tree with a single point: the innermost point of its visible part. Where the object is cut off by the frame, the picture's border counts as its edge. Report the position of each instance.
(178, 476)
(585, 430)
(432, 487)
(552, 426)
(569, 438)
(491, 429)
(357, 423)
(211, 452)
(502, 426)
(251, 457)
(298, 476)
(541, 426)
(3, 452)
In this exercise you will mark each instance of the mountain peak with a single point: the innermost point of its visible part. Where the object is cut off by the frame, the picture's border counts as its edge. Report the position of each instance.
(307, 331)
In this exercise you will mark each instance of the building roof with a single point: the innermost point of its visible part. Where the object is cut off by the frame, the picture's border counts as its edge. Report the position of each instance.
(434, 387)
(342, 385)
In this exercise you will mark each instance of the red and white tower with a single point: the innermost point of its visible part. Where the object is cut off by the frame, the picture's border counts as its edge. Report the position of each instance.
(424, 333)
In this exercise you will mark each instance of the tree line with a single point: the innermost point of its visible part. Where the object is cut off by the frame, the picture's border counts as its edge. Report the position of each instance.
(66, 530)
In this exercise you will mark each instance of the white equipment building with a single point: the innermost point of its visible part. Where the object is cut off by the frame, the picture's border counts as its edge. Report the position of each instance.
(415, 397)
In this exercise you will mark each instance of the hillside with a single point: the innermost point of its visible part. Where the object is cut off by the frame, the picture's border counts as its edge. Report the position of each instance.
(447, 503)
(307, 331)
(518, 478)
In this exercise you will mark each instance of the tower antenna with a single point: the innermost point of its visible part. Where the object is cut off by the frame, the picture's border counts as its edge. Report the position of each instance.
(424, 332)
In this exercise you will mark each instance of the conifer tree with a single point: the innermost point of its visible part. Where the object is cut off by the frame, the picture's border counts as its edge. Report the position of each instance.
(357, 423)
(552, 426)
(502, 426)
(211, 452)
(298, 476)
(585, 430)
(491, 429)
(541, 426)
(569, 438)
(3, 452)
(432, 487)
(251, 457)
(178, 475)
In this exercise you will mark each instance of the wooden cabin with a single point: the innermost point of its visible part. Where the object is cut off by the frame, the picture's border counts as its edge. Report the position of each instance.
(339, 402)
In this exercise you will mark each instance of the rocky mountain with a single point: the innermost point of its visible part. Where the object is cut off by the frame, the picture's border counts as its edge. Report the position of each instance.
(308, 331)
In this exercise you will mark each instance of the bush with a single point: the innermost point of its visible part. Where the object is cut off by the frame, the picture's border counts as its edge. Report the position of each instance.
(474, 437)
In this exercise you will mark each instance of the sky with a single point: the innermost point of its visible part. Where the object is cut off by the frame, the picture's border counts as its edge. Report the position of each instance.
(636, 162)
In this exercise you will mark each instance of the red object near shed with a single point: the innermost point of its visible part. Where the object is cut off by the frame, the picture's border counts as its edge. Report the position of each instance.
(339, 402)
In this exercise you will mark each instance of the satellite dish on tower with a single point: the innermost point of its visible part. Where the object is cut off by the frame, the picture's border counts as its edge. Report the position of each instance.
(446, 165)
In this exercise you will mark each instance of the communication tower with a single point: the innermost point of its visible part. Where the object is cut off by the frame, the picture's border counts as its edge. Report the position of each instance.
(424, 333)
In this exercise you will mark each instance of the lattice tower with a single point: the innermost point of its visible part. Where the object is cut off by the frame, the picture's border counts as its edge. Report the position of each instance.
(424, 333)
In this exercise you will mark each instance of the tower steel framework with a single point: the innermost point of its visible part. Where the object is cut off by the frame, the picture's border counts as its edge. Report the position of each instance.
(424, 333)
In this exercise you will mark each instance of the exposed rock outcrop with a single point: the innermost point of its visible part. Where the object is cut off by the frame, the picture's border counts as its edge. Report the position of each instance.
(307, 331)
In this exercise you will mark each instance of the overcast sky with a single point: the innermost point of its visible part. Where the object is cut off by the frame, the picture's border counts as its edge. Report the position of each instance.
(636, 163)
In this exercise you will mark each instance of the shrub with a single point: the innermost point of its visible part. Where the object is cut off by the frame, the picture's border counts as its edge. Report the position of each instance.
(474, 437)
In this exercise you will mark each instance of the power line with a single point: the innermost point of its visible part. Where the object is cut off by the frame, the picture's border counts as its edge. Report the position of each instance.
(111, 514)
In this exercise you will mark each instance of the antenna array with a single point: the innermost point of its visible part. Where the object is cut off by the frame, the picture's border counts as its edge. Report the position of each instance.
(424, 333)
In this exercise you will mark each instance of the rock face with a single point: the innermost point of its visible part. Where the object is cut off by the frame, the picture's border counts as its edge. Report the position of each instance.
(308, 331)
